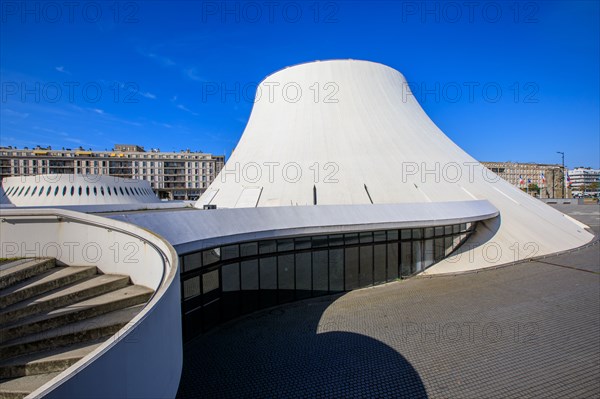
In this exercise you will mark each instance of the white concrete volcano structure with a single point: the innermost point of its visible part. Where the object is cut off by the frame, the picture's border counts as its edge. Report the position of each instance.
(349, 132)
(340, 182)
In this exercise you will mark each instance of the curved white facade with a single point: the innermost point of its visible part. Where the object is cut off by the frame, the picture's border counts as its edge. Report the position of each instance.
(351, 132)
(67, 190)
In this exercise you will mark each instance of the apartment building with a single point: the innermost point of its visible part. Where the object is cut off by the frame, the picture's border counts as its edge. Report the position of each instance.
(547, 177)
(585, 178)
(183, 175)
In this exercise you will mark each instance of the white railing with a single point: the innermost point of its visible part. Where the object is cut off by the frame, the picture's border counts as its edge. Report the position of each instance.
(144, 359)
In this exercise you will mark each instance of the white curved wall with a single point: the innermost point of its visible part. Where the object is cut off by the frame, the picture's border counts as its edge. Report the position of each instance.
(365, 128)
(66, 189)
(144, 359)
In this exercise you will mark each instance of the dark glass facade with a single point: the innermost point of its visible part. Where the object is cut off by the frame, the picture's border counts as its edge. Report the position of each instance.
(219, 284)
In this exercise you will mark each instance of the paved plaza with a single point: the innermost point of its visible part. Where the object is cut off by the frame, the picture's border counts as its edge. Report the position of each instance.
(526, 330)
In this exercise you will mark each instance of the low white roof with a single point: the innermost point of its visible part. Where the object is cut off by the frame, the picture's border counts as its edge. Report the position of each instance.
(191, 230)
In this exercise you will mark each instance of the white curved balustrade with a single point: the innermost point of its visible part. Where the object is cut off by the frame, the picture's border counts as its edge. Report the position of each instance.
(144, 359)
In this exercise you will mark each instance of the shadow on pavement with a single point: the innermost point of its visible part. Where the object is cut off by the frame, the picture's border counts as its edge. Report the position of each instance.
(281, 356)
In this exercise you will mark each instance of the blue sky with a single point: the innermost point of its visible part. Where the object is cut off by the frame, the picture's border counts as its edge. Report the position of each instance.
(97, 73)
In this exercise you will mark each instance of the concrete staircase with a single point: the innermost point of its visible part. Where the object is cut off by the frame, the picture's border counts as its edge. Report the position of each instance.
(51, 316)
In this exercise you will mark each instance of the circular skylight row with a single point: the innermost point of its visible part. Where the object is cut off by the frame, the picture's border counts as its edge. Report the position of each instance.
(17, 191)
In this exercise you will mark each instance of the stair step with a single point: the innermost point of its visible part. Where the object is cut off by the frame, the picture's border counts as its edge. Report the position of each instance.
(9, 263)
(85, 330)
(49, 361)
(122, 298)
(77, 292)
(13, 272)
(48, 281)
(53, 316)
(18, 388)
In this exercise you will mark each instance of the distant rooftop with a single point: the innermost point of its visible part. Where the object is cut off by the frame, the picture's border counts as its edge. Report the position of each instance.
(129, 148)
(117, 148)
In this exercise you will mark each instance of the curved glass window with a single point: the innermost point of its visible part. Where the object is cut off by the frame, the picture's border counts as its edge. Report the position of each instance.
(48, 190)
(101, 190)
(34, 190)
(224, 282)
(87, 190)
(108, 190)
(95, 190)
(121, 189)
(79, 191)
(72, 190)
(64, 191)
(41, 191)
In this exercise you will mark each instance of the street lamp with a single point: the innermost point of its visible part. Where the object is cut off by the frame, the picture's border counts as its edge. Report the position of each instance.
(563, 170)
